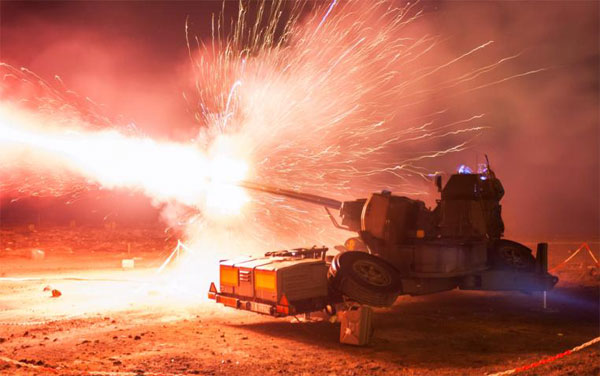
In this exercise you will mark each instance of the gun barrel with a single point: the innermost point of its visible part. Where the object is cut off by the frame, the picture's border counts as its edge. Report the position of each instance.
(306, 197)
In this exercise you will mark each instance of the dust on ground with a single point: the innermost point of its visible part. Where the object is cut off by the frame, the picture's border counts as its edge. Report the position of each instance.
(119, 321)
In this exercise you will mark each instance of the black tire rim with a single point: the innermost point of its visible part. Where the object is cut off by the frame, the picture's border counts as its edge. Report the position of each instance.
(514, 256)
(372, 273)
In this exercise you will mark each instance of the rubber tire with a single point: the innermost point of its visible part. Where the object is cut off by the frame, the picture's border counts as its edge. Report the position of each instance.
(510, 255)
(344, 278)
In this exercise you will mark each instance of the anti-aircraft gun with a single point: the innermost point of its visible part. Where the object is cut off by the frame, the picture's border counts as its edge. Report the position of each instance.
(401, 247)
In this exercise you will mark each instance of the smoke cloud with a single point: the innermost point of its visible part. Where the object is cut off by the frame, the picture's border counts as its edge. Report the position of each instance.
(541, 129)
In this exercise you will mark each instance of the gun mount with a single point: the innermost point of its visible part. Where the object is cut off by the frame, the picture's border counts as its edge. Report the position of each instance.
(403, 247)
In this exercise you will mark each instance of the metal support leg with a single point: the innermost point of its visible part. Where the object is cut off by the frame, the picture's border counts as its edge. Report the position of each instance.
(545, 301)
(356, 325)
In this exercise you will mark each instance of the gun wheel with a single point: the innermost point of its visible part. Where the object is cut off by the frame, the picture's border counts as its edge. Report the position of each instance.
(372, 273)
(365, 278)
(507, 254)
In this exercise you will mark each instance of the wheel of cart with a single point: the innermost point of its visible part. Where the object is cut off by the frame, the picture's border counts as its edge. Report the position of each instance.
(365, 278)
(506, 254)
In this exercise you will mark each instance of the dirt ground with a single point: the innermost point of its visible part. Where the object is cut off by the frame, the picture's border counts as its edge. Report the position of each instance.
(114, 322)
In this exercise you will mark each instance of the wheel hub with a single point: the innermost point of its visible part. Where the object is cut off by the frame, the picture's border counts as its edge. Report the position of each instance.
(372, 273)
(513, 256)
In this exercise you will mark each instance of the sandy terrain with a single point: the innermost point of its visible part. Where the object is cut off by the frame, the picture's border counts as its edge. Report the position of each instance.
(134, 322)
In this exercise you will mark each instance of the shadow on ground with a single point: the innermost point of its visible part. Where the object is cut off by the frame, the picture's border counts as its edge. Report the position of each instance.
(461, 329)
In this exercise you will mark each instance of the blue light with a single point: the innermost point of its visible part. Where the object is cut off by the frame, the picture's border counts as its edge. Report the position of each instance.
(483, 170)
(464, 170)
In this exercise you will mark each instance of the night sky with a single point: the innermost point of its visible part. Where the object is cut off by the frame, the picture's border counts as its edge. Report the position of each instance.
(544, 136)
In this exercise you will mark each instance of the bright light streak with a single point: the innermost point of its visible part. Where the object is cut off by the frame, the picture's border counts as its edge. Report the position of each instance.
(165, 171)
(327, 13)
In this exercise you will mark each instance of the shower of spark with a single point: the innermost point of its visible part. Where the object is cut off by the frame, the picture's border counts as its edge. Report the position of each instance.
(338, 99)
(332, 99)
